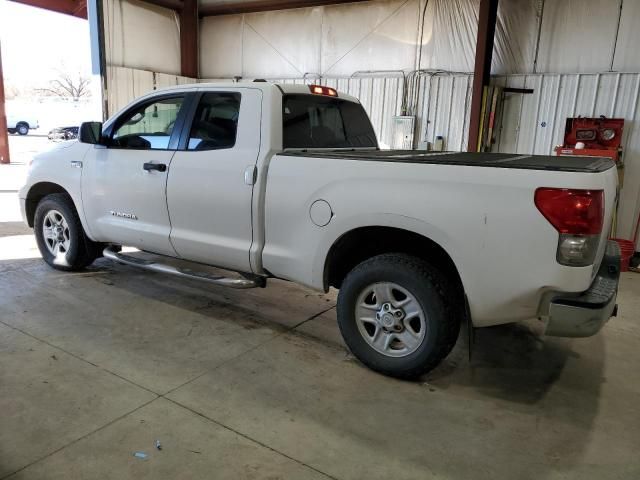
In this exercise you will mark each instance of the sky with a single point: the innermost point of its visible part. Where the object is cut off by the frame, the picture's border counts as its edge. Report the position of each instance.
(36, 42)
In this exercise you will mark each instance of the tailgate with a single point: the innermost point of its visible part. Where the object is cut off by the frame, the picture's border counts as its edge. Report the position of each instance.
(609, 183)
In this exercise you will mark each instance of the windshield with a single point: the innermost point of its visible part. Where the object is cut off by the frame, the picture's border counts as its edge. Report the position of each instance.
(314, 121)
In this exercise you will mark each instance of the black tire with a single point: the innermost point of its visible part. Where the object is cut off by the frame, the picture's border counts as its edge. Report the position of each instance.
(22, 128)
(81, 251)
(432, 291)
(11, 130)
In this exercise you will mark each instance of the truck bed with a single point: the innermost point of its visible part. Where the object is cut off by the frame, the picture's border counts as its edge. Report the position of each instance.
(494, 160)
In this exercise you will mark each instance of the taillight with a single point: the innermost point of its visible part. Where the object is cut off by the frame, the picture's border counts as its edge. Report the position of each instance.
(322, 90)
(572, 211)
(578, 216)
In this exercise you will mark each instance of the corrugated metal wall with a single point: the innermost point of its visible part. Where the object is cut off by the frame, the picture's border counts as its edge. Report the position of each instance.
(443, 110)
(535, 123)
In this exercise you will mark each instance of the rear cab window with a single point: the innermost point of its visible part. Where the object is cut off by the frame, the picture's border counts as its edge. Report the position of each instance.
(316, 121)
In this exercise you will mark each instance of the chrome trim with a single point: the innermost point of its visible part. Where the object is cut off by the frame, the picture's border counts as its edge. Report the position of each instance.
(239, 283)
(584, 314)
(570, 321)
(76, 164)
(130, 216)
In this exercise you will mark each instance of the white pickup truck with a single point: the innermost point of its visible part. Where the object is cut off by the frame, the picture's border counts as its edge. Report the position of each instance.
(21, 124)
(287, 181)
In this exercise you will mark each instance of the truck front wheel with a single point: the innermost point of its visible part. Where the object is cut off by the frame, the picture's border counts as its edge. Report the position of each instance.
(60, 236)
(394, 315)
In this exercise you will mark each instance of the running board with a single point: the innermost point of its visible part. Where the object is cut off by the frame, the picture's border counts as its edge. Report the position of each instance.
(111, 254)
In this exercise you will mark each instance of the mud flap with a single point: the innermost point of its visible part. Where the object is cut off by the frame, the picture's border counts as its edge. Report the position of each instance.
(470, 327)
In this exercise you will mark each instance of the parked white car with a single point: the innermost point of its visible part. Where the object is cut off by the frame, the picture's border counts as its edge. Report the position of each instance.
(21, 124)
(287, 181)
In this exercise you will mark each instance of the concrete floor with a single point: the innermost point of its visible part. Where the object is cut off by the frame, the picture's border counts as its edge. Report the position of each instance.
(95, 366)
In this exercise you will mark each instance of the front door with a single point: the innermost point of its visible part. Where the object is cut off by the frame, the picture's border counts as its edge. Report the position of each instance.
(210, 187)
(124, 184)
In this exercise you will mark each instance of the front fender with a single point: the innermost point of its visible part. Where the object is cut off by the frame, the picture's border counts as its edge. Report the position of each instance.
(54, 167)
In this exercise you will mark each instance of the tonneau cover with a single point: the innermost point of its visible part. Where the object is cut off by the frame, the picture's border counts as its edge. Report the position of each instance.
(496, 160)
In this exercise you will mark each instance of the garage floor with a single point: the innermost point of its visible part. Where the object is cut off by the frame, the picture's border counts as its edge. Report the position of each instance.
(96, 366)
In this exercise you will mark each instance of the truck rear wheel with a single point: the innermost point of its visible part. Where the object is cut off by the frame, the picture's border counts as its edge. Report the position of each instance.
(394, 315)
(60, 236)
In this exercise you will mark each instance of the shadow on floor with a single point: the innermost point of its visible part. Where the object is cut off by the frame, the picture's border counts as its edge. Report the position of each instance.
(279, 307)
(552, 378)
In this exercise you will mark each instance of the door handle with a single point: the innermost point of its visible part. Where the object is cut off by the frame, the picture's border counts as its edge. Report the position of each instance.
(250, 174)
(160, 167)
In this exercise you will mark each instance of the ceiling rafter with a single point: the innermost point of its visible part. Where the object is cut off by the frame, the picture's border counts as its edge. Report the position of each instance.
(222, 7)
(75, 8)
(176, 5)
(78, 8)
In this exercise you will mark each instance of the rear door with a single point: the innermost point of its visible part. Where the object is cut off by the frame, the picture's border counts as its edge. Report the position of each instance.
(210, 187)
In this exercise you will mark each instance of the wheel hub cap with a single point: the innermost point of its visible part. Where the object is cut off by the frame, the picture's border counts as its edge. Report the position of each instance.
(55, 232)
(390, 319)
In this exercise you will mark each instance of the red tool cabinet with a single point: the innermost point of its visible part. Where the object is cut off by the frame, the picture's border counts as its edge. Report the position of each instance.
(602, 137)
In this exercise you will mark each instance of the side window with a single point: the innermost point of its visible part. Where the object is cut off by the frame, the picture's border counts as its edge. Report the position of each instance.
(215, 123)
(148, 127)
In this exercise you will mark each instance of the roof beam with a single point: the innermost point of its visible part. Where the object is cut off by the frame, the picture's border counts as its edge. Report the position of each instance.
(482, 71)
(78, 8)
(176, 5)
(189, 54)
(231, 7)
(75, 8)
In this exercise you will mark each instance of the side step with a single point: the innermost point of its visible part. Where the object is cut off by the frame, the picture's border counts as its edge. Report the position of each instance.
(111, 254)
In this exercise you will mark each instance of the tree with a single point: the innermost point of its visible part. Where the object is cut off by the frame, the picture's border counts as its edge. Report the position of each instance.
(69, 86)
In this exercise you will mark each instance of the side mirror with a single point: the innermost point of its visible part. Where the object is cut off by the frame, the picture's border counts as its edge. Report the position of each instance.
(91, 132)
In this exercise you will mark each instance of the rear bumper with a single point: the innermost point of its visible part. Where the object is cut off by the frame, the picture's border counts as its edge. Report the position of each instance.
(584, 314)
